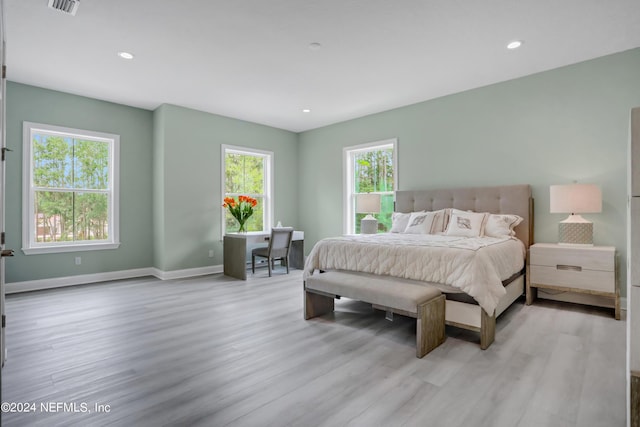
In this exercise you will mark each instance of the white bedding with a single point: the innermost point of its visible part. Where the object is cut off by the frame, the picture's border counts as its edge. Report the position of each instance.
(476, 265)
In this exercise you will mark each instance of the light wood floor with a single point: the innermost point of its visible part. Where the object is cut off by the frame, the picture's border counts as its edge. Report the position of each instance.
(214, 351)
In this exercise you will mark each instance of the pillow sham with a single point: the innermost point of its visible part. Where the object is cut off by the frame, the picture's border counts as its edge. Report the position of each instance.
(466, 224)
(501, 225)
(399, 222)
(422, 222)
(441, 222)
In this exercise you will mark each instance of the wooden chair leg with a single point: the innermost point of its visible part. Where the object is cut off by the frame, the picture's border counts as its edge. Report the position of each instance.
(253, 264)
(269, 262)
(286, 262)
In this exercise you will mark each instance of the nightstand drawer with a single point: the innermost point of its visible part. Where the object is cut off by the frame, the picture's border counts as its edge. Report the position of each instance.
(601, 259)
(563, 275)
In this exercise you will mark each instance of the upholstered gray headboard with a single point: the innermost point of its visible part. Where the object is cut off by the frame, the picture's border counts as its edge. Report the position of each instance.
(508, 199)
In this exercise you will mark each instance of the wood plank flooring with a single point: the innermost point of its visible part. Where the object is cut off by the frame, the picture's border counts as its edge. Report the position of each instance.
(214, 351)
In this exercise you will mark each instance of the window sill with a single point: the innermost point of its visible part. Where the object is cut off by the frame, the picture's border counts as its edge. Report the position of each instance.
(36, 250)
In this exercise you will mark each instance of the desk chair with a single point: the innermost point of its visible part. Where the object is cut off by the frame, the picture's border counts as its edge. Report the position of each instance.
(279, 245)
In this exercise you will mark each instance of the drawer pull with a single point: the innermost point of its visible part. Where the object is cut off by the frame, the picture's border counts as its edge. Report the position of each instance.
(568, 267)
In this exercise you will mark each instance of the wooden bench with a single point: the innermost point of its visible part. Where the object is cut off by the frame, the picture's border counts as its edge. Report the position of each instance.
(424, 303)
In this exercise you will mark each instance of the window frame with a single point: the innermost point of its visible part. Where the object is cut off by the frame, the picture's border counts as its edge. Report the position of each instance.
(29, 244)
(349, 226)
(268, 184)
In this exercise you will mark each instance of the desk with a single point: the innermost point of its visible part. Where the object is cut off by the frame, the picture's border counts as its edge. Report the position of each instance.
(236, 245)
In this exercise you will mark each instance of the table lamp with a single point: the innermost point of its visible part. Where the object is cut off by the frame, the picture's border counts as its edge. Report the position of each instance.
(575, 199)
(368, 203)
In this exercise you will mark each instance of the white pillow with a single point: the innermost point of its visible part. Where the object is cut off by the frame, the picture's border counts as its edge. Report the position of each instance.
(466, 224)
(501, 225)
(399, 222)
(422, 222)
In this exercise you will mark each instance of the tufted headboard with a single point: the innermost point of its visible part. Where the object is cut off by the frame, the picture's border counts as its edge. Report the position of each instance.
(507, 199)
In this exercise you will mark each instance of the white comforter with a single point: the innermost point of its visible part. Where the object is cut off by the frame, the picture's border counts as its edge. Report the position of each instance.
(476, 265)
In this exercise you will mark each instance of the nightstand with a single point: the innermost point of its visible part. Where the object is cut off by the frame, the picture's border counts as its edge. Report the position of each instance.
(580, 269)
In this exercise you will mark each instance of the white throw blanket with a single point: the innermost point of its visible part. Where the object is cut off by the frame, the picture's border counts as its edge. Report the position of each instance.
(476, 265)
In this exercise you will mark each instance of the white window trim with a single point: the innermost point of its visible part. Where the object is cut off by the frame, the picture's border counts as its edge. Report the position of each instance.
(268, 185)
(29, 246)
(347, 168)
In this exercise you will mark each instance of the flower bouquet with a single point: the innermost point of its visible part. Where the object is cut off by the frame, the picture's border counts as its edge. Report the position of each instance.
(242, 209)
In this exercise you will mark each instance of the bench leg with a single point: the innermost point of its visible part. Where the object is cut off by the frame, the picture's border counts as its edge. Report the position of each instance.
(635, 399)
(430, 325)
(487, 329)
(316, 305)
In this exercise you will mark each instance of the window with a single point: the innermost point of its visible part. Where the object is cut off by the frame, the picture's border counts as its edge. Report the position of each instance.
(370, 168)
(70, 191)
(247, 172)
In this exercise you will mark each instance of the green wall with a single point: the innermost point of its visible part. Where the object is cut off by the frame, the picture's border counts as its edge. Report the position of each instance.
(28, 103)
(159, 235)
(188, 166)
(170, 175)
(549, 128)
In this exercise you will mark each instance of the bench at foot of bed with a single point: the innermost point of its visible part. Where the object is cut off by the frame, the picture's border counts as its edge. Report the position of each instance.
(424, 303)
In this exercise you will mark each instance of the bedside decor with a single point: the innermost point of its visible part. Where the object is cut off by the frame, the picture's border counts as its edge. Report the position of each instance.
(241, 209)
(575, 199)
(586, 270)
(368, 203)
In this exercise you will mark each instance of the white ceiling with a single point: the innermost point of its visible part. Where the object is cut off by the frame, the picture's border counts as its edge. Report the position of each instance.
(250, 59)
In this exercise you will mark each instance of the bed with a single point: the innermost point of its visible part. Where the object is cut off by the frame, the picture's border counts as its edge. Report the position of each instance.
(472, 304)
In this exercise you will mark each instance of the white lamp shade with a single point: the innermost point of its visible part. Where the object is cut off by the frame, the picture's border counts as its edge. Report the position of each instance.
(368, 203)
(575, 198)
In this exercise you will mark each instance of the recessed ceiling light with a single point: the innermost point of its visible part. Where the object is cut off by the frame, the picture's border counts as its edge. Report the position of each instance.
(306, 110)
(125, 55)
(315, 46)
(514, 44)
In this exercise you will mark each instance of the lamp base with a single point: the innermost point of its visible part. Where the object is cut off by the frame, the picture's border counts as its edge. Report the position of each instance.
(575, 230)
(368, 225)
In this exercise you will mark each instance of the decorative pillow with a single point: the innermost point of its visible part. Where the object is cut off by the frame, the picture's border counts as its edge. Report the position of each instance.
(466, 224)
(440, 224)
(501, 225)
(422, 223)
(399, 222)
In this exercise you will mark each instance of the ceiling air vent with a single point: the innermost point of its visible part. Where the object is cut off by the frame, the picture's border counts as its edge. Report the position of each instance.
(70, 7)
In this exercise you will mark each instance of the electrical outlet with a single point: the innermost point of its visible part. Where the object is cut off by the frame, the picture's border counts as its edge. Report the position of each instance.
(210, 253)
(78, 260)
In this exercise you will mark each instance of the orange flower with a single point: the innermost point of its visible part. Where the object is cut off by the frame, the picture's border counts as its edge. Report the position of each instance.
(241, 209)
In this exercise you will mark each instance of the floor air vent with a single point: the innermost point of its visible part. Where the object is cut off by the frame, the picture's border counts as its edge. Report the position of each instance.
(70, 7)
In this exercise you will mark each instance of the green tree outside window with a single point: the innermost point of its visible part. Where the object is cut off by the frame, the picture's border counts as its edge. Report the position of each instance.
(71, 186)
(245, 174)
(372, 170)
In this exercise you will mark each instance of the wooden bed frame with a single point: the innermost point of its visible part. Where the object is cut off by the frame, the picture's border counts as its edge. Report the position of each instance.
(511, 199)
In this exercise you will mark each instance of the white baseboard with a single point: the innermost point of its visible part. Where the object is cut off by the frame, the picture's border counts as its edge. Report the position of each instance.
(83, 279)
(189, 272)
